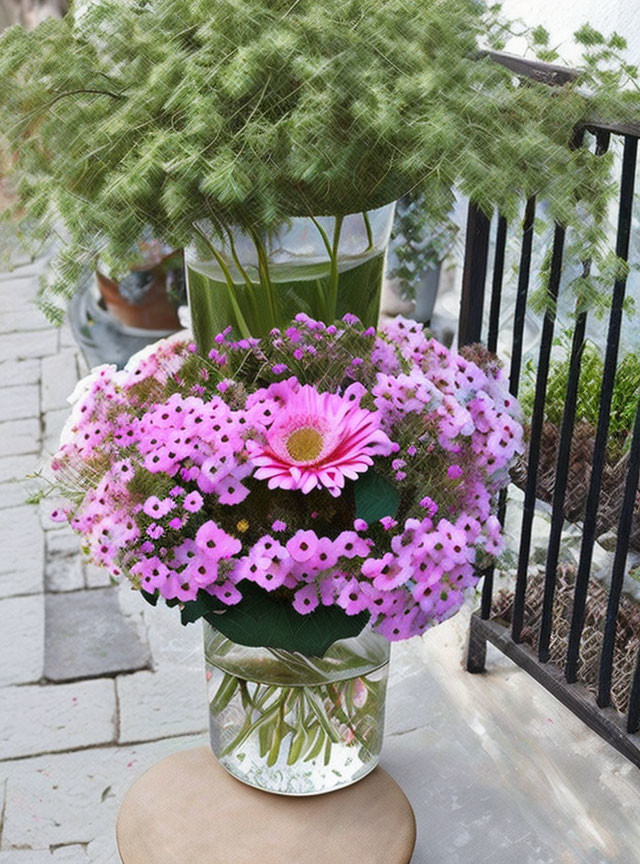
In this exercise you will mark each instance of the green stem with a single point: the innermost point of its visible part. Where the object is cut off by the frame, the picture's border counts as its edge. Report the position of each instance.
(251, 288)
(334, 695)
(278, 732)
(236, 259)
(250, 727)
(315, 745)
(334, 275)
(224, 693)
(322, 718)
(265, 278)
(242, 324)
(323, 234)
(247, 701)
(367, 227)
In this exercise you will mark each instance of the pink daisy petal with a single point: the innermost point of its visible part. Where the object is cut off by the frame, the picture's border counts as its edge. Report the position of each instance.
(317, 439)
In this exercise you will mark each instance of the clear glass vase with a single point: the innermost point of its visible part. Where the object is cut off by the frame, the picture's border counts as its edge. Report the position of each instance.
(297, 725)
(324, 266)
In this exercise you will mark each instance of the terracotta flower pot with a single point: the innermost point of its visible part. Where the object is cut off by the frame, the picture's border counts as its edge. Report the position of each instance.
(154, 311)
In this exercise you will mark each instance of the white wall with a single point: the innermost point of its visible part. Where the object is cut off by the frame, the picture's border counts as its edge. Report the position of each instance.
(563, 19)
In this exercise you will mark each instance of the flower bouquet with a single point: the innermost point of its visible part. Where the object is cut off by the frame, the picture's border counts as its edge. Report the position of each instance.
(312, 496)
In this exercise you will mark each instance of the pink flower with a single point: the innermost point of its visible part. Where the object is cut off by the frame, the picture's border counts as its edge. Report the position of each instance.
(302, 545)
(318, 439)
(349, 545)
(193, 502)
(215, 542)
(201, 572)
(156, 508)
(386, 572)
(352, 599)
(227, 593)
(306, 599)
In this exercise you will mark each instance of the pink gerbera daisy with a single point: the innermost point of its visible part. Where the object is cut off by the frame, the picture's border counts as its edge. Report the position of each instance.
(318, 439)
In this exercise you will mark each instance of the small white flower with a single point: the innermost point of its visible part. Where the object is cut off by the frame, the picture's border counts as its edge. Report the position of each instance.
(84, 385)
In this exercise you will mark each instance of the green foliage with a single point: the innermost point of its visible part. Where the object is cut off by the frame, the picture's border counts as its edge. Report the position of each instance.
(626, 390)
(130, 118)
(426, 241)
(264, 619)
(375, 497)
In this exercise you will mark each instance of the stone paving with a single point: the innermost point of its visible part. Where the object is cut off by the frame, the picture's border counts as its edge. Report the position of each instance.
(95, 686)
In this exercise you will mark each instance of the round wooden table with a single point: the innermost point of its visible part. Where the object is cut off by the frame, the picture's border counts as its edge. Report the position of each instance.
(186, 809)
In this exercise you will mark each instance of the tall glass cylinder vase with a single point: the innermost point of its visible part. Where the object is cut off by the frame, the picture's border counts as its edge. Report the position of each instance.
(297, 725)
(324, 266)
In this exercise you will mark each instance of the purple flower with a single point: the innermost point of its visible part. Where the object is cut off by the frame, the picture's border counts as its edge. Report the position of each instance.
(302, 546)
(305, 599)
(193, 502)
(215, 542)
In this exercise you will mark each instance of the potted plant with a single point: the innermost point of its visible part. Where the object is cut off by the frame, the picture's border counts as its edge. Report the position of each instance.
(418, 249)
(148, 296)
(313, 496)
(271, 139)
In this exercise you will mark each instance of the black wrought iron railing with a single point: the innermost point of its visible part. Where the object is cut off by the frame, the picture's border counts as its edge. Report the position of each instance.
(593, 704)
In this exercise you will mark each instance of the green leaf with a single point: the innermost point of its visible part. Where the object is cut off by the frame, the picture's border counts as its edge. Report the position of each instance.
(375, 497)
(200, 607)
(265, 619)
(540, 35)
(152, 599)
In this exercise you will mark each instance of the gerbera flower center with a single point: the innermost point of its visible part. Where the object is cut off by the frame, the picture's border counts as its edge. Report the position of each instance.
(304, 444)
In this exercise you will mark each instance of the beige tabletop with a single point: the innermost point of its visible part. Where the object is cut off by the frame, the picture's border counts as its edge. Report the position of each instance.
(187, 810)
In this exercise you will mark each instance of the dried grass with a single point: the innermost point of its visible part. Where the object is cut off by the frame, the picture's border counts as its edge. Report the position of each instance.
(627, 643)
(580, 462)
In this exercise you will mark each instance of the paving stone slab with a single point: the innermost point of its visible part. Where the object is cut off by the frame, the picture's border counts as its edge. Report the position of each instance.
(67, 339)
(171, 643)
(14, 373)
(87, 636)
(83, 366)
(18, 437)
(171, 701)
(103, 849)
(71, 854)
(499, 771)
(13, 495)
(67, 854)
(64, 568)
(96, 577)
(63, 542)
(21, 552)
(21, 639)
(74, 797)
(16, 467)
(24, 269)
(27, 344)
(20, 402)
(59, 377)
(64, 572)
(23, 319)
(56, 717)
(19, 294)
(53, 424)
